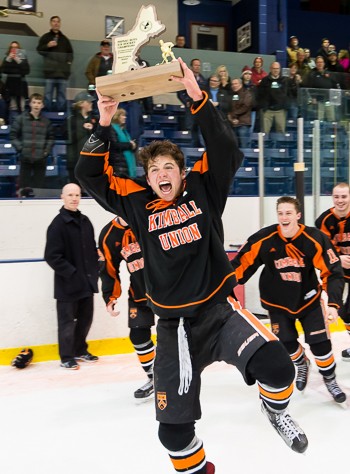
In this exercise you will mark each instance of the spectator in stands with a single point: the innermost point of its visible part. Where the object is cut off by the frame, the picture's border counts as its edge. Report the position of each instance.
(4, 99)
(240, 111)
(344, 60)
(32, 136)
(100, 64)
(302, 67)
(322, 79)
(292, 49)
(180, 42)
(272, 99)
(190, 123)
(257, 71)
(57, 51)
(122, 147)
(247, 83)
(293, 91)
(16, 66)
(220, 98)
(308, 59)
(81, 123)
(333, 63)
(323, 51)
(225, 80)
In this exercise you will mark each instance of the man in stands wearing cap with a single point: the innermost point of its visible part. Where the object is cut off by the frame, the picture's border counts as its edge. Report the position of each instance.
(292, 49)
(100, 64)
(80, 124)
(257, 71)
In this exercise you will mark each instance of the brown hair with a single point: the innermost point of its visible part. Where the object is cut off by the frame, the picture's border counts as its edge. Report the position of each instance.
(341, 185)
(161, 148)
(116, 116)
(36, 96)
(289, 200)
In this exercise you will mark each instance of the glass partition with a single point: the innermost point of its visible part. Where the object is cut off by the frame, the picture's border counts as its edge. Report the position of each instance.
(268, 167)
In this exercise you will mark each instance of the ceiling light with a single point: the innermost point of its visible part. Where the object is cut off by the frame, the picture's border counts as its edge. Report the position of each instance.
(191, 3)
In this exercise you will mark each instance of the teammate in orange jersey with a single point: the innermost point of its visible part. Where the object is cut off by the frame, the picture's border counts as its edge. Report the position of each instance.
(335, 223)
(176, 218)
(290, 289)
(117, 243)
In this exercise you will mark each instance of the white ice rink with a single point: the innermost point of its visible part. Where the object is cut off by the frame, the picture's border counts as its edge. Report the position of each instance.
(55, 421)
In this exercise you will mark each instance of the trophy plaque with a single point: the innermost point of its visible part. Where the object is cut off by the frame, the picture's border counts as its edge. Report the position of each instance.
(130, 78)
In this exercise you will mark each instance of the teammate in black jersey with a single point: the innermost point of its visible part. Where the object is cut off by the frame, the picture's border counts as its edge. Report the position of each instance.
(117, 243)
(290, 290)
(335, 223)
(177, 220)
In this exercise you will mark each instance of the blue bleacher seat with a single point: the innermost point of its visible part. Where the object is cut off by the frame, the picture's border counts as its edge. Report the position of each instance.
(283, 140)
(307, 179)
(180, 137)
(278, 157)
(149, 135)
(192, 155)
(277, 181)
(330, 176)
(251, 156)
(245, 182)
(165, 122)
(9, 170)
(176, 109)
(5, 133)
(7, 187)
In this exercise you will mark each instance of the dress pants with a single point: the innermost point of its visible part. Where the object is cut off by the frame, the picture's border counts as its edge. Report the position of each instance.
(74, 322)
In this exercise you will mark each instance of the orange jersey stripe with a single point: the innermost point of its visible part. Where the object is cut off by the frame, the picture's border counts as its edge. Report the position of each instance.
(297, 354)
(288, 310)
(194, 303)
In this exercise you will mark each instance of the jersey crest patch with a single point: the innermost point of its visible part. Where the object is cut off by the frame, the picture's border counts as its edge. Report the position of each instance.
(162, 401)
(275, 328)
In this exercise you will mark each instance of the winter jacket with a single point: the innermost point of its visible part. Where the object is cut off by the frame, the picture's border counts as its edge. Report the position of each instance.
(57, 60)
(33, 138)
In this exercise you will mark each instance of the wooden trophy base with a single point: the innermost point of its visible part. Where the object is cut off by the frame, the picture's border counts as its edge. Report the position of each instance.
(140, 83)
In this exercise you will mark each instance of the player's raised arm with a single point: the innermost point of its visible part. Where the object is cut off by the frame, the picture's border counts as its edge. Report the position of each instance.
(189, 81)
(107, 107)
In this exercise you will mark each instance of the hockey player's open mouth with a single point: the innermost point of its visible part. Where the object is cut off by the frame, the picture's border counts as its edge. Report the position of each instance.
(165, 187)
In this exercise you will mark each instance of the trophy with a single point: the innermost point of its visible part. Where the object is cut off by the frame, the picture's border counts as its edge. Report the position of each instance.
(131, 80)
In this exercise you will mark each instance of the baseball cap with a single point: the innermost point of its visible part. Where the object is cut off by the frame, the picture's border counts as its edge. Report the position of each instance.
(105, 43)
(83, 96)
(332, 52)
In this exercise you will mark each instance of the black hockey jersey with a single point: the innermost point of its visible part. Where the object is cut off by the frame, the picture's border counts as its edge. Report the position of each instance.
(288, 281)
(117, 244)
(186, 266)
(338, 230)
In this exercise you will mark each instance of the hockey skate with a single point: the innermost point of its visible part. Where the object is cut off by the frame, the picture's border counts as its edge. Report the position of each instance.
(345, 355)
(334, 389)
(287, 428)
(302, 374)
(210, 468)
(146, 391)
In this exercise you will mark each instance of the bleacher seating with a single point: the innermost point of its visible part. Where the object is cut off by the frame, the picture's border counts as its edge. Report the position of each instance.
(278, 157)
(245, 182)
(8, 154)
(149, 135)
(277, 181)
(192, 155)
(5, 133)
(180, 137)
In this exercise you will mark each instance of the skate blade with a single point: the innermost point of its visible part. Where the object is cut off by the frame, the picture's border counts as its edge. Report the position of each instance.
(141, 401)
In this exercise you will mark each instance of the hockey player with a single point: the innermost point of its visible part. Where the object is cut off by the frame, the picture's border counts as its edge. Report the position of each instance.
(290, 289)
(177, 221)
(117, 243)
(335, 223)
